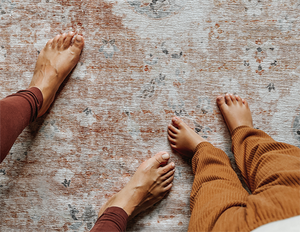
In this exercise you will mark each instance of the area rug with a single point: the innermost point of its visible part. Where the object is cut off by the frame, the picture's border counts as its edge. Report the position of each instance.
(143, 62)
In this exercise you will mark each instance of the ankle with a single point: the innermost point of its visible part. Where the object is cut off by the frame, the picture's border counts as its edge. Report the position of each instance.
(124, 200)
(199, 146)
(237, 129)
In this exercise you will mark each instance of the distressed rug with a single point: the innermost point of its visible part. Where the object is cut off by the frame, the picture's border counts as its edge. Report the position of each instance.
(143, 62)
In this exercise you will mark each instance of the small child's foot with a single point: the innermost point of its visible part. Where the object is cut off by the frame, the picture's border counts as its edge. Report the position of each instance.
(182, 138)
(236, 111)
(55, 62)
(150, 183)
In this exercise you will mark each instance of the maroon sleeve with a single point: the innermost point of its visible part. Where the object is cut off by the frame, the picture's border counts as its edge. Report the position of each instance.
(113, 219)
(16, 112)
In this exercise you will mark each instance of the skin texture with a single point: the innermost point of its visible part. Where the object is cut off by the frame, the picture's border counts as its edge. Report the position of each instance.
(150, 183)
(55, 62)
(182, 138)
(235, 111)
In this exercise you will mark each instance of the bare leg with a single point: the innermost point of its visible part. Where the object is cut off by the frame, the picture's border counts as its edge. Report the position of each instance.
(54, 63)
(150, 183)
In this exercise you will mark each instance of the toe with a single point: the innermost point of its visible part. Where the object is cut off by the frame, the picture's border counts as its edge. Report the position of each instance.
(228, 99)
(68, 39)
(233, 99)
(78, 42)
(239, 99)
(177, 122)
(160, 159)
(171, 140)
(173, 129)
(245, 103)
(166, 169)
(173, 146)
(221, 102)
(171, 134)
(55, 41)
(168, 181)
(168, 175)
(49, 43)
(168, 187)
(61, 40)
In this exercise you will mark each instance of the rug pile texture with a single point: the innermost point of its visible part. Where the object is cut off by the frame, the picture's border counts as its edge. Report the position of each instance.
(143, 62)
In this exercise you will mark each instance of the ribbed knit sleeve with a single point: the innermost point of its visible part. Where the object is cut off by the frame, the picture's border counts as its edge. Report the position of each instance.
(263, 161)
(216, 187)
(114, 219)
(271, 170)
(16, 112)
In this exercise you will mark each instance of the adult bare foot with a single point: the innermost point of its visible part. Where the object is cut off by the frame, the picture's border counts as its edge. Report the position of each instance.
(235, 110)
(55, 62)
(150, 183)
(182, 138)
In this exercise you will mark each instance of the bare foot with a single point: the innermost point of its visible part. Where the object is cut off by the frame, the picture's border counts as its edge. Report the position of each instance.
(235, 110)
(55, 62)
(150, 183)
(183, 138)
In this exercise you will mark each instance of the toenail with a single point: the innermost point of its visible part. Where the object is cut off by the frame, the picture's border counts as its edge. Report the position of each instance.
(174, 119)
(173, 165)
(165, 156)
(78, 38)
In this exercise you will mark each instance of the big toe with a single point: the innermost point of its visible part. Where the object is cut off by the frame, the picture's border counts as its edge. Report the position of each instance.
(177, 122)
(160, 159)
(78, 42)
(221, 102)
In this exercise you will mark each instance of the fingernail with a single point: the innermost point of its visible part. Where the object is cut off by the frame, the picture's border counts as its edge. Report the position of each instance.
(165, 156)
